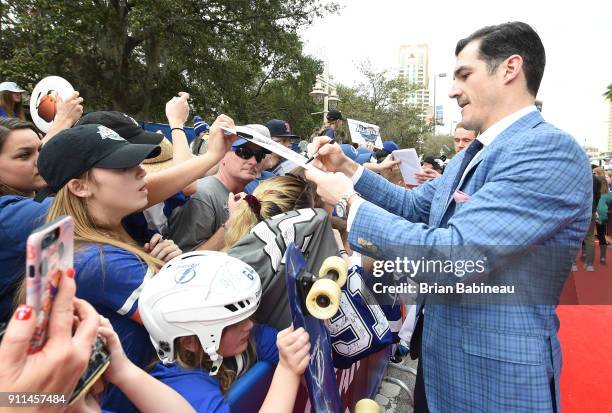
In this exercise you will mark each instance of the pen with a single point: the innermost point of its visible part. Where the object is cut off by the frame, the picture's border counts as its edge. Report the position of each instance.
(331, 142)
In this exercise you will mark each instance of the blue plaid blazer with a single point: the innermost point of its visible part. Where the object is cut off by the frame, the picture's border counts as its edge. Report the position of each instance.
(531, 186)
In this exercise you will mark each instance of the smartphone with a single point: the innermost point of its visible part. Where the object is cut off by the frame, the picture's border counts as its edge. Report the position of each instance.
(98, 363)
(49, 252)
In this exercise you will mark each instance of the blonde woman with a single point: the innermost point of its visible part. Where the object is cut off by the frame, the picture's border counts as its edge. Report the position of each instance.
(271, 197)
(98, 180)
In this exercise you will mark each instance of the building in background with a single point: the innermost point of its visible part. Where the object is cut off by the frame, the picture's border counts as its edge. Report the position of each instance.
(591, 151)
(413, 66)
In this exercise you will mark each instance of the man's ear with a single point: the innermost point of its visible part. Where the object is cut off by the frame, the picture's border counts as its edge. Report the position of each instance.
(79, 187)
(511, 68)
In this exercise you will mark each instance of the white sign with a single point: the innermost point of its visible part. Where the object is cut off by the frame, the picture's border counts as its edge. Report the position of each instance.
(362, 133)
(258, 139)
(409, 165)
(43, 101)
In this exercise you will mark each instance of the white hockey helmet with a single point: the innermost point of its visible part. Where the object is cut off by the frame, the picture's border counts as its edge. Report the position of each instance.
(198, 293)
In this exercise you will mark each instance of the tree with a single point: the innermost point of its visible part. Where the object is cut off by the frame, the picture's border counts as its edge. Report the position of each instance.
(133, 55)
(438, 145)
(383, 101)
(608, 93)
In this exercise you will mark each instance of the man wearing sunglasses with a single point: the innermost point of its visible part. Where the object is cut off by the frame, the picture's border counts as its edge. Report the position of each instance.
(201, 223)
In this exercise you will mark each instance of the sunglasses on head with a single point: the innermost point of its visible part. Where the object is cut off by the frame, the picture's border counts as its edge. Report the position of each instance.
(247, 153)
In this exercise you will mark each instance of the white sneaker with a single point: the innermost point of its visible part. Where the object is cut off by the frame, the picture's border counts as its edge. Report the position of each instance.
(589, 268)
(574, 268)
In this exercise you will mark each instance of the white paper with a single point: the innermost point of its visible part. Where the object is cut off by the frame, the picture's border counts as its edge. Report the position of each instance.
(269, 144)
(410, 164)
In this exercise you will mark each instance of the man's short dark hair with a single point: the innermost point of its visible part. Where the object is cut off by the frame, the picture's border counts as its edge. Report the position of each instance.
(504, 40)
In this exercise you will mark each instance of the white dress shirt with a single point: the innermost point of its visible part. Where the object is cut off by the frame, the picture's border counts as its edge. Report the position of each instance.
(487, 137)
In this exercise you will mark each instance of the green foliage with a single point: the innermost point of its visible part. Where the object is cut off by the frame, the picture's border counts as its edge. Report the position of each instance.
(438, 145)
(231, 55)
(608, 93)
(383, 101)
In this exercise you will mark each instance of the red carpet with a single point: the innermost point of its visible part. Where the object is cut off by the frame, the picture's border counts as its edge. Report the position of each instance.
(586, 339)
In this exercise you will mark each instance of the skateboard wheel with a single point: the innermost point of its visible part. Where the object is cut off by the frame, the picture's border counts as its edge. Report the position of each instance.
(335, 266)
(367, 406)
(323, 299)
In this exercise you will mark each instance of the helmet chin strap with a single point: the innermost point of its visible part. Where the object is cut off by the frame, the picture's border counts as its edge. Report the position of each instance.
(216, 358)
(239, 364)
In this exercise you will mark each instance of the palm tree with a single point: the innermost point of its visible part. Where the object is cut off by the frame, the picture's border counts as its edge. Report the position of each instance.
(608, 93)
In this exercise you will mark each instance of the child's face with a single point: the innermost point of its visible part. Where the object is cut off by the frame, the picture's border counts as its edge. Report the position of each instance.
(235, 338)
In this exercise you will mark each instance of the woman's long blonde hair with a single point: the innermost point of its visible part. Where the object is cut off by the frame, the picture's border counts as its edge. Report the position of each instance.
(11, 108)
(276, 195)
(86, 230)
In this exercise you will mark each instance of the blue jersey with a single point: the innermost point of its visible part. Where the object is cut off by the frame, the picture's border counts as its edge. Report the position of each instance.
(203, 391)
(111, 279)
(19, 216)
(360, 327)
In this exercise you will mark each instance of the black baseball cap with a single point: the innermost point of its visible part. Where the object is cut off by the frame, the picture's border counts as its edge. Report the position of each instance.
(124, 125)
(74, 151)
(280, 129)
(334, 115)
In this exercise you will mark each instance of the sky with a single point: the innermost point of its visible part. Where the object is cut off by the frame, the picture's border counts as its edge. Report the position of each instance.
(577, 36)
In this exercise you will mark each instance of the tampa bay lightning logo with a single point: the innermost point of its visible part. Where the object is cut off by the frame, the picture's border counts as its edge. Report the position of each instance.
(187, 275)
(107, 133)
(369, 133)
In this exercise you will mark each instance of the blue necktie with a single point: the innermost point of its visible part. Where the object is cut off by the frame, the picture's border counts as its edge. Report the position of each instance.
(470, 152)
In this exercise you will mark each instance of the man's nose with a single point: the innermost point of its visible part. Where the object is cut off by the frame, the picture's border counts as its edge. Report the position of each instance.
(455, 91)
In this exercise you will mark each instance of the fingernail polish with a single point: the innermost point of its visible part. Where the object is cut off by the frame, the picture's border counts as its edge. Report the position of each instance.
(23, 312)
(70, 272)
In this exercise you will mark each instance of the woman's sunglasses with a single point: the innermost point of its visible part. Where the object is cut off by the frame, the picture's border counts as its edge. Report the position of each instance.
(247, 153)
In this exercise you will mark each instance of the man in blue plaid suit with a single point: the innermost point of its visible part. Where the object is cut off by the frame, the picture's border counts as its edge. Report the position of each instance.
(522, 182)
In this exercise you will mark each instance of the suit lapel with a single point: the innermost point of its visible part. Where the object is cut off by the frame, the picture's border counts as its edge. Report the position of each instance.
(530, 120)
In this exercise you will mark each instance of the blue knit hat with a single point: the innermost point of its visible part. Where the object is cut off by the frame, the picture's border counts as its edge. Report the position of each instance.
(199, 125)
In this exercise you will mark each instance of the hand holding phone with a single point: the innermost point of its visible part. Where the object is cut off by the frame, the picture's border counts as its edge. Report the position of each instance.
(49, 254)
(67, 352)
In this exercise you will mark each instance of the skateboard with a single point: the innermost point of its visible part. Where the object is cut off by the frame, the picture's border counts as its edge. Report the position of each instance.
(313, 299)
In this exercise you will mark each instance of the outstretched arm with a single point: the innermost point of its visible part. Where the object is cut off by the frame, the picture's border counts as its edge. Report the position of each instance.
(162, 185)
(294, 356)
(147, 393)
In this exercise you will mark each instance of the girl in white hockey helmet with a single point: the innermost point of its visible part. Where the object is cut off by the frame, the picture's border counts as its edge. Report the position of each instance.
(196, 310)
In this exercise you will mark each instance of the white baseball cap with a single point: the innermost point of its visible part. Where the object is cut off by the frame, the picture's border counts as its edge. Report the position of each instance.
(11, 87)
